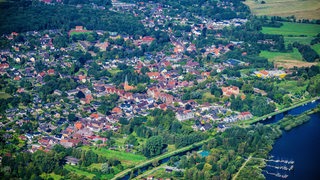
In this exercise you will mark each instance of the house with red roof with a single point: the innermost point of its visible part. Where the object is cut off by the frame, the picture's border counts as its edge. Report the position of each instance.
(153, 75)
(230, 90)
(4, 66)
(245, 115)
(50, 71)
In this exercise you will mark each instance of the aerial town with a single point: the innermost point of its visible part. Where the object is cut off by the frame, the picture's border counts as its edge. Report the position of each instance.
(84, 88)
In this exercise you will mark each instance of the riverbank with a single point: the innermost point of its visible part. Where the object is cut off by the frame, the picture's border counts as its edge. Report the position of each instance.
(257, 119)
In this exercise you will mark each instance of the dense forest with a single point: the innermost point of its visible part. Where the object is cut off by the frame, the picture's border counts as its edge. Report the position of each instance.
(22, 16)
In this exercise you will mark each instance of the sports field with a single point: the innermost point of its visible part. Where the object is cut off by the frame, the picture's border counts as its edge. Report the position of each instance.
(301, 9)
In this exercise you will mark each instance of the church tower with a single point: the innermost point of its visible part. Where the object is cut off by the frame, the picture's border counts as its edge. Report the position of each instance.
(126, 85)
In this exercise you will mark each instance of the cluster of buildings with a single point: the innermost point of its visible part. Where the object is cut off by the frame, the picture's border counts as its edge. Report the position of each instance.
(66, 118)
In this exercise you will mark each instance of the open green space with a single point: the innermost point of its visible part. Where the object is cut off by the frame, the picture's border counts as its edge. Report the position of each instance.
(276, 56)
(301, 9)
(301, 40)
(77, 33)
(293, 29)
(292, 32)
(51, 175)
(293, 86)
(125, 157)
(4, 95)
(316, 47)
(79, 172)
(114, 71)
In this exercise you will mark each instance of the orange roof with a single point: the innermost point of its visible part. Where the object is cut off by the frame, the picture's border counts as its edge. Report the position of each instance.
(78, 125)
(94, 115)
(116, 110)
(51, 71)
(264, 72)
(153, 74)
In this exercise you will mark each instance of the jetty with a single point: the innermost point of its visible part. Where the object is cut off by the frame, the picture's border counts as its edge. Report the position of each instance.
(279, 175)
(280, 161)
(282, 167)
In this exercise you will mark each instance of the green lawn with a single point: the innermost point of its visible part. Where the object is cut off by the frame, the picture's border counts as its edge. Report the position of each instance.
(79, 172)
(51, 175)
(292, 85)
(77, 33)
(293, 29)
(4, 95)
(126, 158)
(114, 71)
(301, 40)
(316, 47)
(278, 56)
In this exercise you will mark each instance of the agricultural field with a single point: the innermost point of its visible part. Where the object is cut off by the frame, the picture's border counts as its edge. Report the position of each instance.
(286, 60)
(295, 29)
(280, 56)
(316, 47)
(292, 32)
(301, 9)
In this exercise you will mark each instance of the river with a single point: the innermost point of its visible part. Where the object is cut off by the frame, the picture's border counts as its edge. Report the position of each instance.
(301, 144)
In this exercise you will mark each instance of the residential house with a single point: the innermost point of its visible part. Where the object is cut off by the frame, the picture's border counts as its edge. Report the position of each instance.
(230, 90)
(184, 115)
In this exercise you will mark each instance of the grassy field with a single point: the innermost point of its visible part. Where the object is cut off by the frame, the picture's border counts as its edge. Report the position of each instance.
(278, 56)
(114, 71)
(301, 40)
(292, 32)
(286, 60)
(79, 172)
(293, 29)
(301, 9)
(316, 47)
(292, 85)
(4, 95)
(128, 159)
(77, 33)
(51, 175)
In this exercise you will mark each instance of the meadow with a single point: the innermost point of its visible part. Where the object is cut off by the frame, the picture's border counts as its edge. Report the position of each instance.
(279, 56)
(294, 29)
(128, 159)
(4, 95)
(301, 9)
(292, 32)
(316, 47)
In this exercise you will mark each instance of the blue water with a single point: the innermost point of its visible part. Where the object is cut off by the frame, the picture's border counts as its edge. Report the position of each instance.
(204, 153)
(302, 145)
(294, 111)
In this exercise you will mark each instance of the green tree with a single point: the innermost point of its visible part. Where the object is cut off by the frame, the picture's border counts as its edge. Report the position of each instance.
(153, 146)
